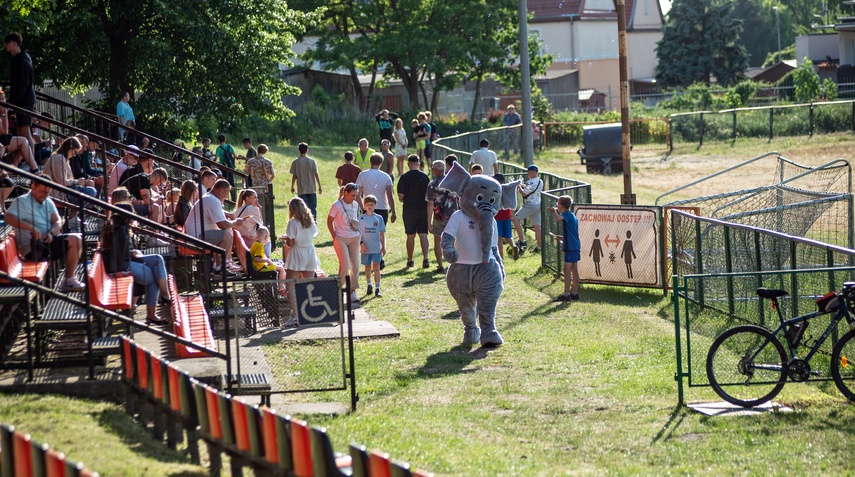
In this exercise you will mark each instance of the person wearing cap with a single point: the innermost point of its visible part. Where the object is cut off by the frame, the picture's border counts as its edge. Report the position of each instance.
(386, 121)
(486, 158)
(412, 192)
(512, 119)
(129, 158)
(530, 191)
(441, 203)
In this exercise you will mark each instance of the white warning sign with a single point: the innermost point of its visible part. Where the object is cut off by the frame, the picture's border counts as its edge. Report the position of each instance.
(620, 245)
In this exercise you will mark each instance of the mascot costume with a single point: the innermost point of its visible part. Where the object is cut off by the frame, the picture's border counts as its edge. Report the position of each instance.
(469, 241)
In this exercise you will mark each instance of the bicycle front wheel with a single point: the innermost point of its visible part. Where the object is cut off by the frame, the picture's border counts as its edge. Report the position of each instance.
(747, 366)
(843, 365)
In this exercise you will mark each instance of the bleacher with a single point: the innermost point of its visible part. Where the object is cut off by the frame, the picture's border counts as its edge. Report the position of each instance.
(95, 326)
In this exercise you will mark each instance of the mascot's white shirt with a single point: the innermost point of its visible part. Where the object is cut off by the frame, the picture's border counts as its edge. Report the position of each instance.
(467, 238)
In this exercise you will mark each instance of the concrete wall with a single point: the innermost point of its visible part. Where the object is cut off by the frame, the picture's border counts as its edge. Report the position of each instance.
(846, 47)
(817, 47)
(641, 53)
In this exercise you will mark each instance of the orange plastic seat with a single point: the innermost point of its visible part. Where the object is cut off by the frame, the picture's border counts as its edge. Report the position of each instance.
(301, 449)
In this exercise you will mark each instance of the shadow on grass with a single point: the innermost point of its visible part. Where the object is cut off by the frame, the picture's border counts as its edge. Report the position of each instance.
(136, 438)
(452, 361)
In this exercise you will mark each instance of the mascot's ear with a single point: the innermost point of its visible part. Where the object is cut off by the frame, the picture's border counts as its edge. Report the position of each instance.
(455, 179)
(509, 195)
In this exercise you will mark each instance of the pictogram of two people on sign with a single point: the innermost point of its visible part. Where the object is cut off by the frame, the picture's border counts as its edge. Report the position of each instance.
(627, 252)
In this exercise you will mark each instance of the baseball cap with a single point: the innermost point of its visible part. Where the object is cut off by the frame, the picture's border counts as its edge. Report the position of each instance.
(133, 150)
(532, 168)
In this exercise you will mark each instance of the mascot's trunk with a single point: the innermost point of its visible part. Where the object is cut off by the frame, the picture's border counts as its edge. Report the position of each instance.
(485, 225)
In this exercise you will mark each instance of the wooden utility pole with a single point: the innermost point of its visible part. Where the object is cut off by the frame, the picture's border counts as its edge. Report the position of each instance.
(628, 197)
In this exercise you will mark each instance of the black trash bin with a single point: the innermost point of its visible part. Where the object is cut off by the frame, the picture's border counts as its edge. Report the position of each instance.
(602, 151)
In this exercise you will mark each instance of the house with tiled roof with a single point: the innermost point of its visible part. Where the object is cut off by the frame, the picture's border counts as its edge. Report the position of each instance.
(583, 36)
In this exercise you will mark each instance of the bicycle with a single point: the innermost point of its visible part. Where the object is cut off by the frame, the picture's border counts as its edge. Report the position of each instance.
(747, 365)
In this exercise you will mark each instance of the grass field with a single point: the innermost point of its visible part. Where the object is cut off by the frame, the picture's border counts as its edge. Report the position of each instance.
(578, 389)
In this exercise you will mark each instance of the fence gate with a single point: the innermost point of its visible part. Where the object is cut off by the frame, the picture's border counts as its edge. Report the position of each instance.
(276, 355)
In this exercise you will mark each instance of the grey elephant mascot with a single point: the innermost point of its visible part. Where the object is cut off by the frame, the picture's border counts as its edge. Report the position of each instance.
(469, 241)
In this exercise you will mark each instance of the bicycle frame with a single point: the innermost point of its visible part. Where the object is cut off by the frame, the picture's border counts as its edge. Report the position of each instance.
(842, 311)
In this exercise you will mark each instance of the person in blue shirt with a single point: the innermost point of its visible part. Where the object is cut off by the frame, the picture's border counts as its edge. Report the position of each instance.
(126, 115)
(571, 246)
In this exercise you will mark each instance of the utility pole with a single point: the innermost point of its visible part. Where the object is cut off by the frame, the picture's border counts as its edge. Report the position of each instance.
(526, 147)
(778, 23)
(628, 197)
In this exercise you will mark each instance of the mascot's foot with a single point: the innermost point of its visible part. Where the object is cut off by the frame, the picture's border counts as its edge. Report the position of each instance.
(471, 336)
(491, 339)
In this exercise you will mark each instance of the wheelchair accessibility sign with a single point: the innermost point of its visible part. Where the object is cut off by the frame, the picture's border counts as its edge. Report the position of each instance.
(318, 301)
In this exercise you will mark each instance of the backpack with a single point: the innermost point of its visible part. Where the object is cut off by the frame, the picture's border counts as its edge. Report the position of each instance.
(228, 156)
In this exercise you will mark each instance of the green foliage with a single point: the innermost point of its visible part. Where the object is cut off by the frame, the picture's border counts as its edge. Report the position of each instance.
(700, 40)
(806, 82)
(196, 57)
(787, 53)
(696, 97)
(738, 96)
(542, 107)
(829, 89)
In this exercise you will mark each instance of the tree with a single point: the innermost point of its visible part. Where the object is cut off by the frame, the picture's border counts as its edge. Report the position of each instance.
(700, 40)
(401, 39)
(806, 82)
(192, 57)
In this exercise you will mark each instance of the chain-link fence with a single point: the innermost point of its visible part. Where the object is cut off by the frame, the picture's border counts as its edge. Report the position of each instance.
(294, 342)
(707, 305)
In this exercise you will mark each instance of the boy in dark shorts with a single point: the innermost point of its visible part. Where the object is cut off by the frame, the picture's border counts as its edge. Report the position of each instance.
(505, 226)
(570, 245)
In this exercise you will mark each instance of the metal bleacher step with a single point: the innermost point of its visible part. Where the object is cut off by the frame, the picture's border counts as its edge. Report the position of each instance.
(165, 252)
(59, 314)
(242, 295)
(216, 313)
(254, 384)
(106, 345)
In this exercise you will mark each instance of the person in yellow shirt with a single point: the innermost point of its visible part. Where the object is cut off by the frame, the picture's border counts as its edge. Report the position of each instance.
(262, 262)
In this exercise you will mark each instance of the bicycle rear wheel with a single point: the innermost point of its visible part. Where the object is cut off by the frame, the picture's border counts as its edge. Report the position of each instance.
(843, 365)
(747, 366)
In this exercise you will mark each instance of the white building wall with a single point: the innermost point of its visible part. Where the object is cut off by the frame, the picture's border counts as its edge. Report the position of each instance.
(646, 14)
(641, 52)
(816, 47)
(600, 40)
(556, 40)
(846, 48)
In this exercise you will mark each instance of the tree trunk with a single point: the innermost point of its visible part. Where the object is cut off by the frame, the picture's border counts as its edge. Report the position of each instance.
(357, 90)
(477, 98)
(409, 78)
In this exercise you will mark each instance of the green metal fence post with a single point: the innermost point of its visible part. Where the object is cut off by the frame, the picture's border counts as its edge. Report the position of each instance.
(678, 376)
(733, 134)
(701, 131)
(728, 266)
(758, 265)
(810, 122)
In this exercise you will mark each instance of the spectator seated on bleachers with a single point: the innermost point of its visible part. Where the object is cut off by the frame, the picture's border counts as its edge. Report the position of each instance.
(147, 270)
(16, 147)
(37, 224)
(216, 226)
(129, 158)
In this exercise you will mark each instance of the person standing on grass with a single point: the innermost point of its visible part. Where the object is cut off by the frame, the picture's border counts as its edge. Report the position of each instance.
(363, 154)
(347, 172)
(571, 246)
(22, 82)
(343, 224)
(504, 225)
(386, 121)
(486, 158)
(441, 203)
(511, 118)
(226, 155)
(530, 192)
(260, 169)
(412, 190)
(400, 136)
(372, 242)
(388, 165)
(304, 173)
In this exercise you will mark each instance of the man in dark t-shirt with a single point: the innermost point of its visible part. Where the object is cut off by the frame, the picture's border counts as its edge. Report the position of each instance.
(22, 83)
(145, 199)
(412, 189)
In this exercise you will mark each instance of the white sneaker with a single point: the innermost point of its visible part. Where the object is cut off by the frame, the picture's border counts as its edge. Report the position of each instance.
(72, 284)
(74, 224)
(354, 297)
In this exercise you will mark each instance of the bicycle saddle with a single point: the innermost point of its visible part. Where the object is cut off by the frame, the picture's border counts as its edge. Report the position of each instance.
(764, 293)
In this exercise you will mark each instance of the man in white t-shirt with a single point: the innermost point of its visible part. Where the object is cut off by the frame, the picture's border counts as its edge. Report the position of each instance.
(486, 158)
(129, 159)
(530, 192)
(375, 182)
(213, 221)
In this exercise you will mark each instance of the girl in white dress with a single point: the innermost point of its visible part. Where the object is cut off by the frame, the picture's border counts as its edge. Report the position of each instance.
(400, 137)
(302, 260)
